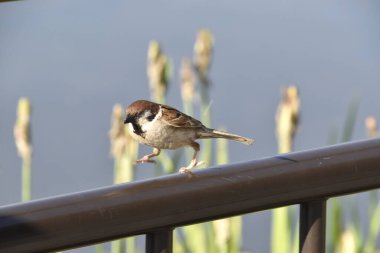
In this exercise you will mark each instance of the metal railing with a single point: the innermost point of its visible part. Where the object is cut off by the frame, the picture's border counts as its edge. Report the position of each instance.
(156, 206)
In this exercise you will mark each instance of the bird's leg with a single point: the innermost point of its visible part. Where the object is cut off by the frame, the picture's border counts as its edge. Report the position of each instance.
(146, 158)
(193, 162)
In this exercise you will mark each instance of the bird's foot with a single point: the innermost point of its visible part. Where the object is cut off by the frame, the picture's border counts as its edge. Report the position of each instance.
(187, 170)
(145, 159)
(199, 163)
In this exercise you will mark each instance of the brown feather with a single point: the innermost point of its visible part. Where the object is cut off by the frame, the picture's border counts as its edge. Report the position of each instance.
(178, 119)
(135, 107)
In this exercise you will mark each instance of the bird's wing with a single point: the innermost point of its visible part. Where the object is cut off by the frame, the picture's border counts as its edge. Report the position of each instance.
(178, 119)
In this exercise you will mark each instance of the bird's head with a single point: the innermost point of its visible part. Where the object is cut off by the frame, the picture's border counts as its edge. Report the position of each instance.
(139, 113)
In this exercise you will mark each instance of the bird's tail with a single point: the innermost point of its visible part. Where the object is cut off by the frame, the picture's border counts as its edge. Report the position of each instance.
(212, 133)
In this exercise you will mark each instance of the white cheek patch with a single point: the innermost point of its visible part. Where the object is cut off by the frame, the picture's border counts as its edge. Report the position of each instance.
(145, 123)
(159, 114)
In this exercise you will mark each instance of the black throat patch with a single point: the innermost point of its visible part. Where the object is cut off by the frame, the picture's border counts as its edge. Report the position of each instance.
(137, 129)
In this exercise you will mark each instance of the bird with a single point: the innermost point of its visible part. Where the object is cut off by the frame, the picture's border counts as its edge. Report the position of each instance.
(164, 127)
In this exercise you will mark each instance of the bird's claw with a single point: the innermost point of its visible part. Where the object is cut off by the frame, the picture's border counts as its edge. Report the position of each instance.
(187, 170)
(145, 160)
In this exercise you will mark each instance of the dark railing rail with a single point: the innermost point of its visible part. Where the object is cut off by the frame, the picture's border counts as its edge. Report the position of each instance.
(156, 206)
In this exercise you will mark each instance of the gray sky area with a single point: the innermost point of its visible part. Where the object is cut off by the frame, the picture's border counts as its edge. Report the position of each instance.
(76, 59)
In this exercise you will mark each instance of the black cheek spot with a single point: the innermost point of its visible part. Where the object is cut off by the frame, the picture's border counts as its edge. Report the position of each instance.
(137, 129)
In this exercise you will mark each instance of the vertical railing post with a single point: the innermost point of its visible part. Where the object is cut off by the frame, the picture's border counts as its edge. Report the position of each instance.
(313, 226)
(159, 241)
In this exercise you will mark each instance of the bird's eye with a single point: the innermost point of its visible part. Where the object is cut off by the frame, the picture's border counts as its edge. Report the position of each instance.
(150, 117)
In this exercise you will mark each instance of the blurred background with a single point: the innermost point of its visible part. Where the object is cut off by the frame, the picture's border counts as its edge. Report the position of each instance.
(75, 60)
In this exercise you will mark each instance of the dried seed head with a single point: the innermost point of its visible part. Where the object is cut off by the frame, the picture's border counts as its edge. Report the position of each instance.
(287, 118)
(222, 228)
(157, 71)
(203, 50)
(187, 80)
(117, 134)
(154, 50)
(371, 126)
(21, 129)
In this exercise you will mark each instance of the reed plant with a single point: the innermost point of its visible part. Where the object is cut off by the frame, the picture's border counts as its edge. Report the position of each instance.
(227, 232)
(22, 136)
(373, 233)
(158, 71)
(352, 238)
(159, 75)
(287, 119)
(219, 236)
(203, 56)
(200, 236)
(349, 237)
(124, 151)
(188, 87)
(209, 235)
(374, 205)
(224, 235)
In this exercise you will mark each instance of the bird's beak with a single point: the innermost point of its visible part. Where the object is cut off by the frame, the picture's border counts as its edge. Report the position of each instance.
(128, 119)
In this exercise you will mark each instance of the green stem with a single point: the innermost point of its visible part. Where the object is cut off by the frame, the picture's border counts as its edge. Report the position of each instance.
(130, 245)
(26, 179)
(99, 248)
(123, 172)
(211, 243)
(166, 163)
(196, 238)
(232, 240)
(296, 238)
(188, 109)
(116, 171)
(335, 225)
(281, 224)
(116, 246)
(206, 154)
(374, 223)
(236, 234)
(350, 120)
(179, 242)
(280, 230)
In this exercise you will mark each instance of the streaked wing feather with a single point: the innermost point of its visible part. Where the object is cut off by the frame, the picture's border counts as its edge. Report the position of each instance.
(178, 119)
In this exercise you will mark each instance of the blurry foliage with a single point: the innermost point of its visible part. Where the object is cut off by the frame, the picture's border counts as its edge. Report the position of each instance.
(124, 151)
(22, 136)
(348, 236)
(203, 54)
(158, 71)
(287, 119)
(223, 235)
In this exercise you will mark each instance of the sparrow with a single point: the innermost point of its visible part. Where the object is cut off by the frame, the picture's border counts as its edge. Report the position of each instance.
(164, 127)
